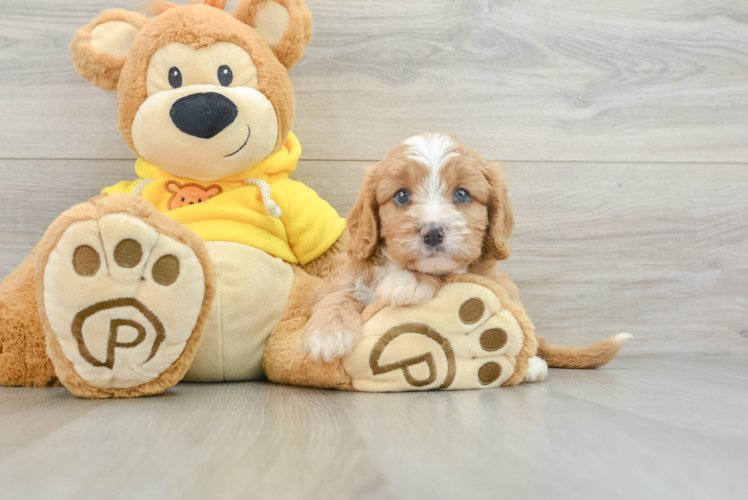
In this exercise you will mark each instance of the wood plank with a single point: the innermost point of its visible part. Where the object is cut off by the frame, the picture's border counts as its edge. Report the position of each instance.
(37, 414)
(592, 80)
(656, 250)
(648, 428)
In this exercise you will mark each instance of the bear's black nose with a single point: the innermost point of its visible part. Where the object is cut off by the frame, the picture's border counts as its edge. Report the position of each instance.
(203, 115)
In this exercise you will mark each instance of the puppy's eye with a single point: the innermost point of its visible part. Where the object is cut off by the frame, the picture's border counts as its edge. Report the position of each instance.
(225, 75)
(402, 197)
(462, 196)
(175, 77)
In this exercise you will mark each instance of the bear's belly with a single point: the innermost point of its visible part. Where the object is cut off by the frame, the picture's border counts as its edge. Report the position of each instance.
(251, 295)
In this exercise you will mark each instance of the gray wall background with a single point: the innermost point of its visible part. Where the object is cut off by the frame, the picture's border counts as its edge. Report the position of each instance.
(623, 125)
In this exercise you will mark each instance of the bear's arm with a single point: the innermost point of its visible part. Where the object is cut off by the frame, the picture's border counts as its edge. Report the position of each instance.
(312, 225)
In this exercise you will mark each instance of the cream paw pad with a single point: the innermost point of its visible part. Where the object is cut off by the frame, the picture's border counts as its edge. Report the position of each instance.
(462, 339)
(122, 301)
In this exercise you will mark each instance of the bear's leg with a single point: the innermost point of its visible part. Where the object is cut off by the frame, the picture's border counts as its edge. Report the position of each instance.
(284, 361)
(123, 293)
(469, 336)
(23, 351)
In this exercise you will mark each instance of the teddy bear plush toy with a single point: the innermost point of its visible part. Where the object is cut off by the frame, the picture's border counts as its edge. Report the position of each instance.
(201, 269)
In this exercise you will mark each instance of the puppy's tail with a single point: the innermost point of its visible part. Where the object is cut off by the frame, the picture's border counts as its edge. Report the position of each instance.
(589, 356)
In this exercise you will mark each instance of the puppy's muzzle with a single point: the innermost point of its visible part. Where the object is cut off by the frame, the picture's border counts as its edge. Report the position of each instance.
(432, 235)
(203, 115)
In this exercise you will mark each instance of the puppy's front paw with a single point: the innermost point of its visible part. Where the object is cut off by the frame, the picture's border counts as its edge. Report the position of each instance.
(402, 288)
(331, 334)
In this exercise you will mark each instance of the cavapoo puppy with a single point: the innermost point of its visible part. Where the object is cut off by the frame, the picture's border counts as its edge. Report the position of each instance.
(431, 207)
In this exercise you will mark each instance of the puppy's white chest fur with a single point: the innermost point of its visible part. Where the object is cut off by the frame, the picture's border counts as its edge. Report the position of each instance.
(364, 288)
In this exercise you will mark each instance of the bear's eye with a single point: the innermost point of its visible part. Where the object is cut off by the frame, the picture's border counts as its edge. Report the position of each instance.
(182, 199)
(225, 76)
(200, 200)
(175, 77)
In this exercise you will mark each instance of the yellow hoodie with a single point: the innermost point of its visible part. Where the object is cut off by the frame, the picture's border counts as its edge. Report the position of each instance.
(289, 220)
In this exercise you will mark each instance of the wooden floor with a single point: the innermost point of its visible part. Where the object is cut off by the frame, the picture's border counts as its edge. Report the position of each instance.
(644, 428)
(623, 125)
(624, 128)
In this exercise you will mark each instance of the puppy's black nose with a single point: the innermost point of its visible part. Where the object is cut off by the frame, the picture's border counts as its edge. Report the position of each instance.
(434, 236)
(203, 115)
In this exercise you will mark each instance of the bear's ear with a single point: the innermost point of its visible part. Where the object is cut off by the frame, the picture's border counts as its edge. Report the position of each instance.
(100, 48)
(285, 24)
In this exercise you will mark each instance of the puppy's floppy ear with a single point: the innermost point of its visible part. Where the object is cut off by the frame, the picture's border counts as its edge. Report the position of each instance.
(500, 216)
(100, 48)
(363, 221)
(285, 24)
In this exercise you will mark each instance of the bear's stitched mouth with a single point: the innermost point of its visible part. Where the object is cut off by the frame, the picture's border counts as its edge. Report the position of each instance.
(245, 143)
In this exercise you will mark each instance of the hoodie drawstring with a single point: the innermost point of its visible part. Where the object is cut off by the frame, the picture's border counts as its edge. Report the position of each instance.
(140, 187)
(271, 207)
